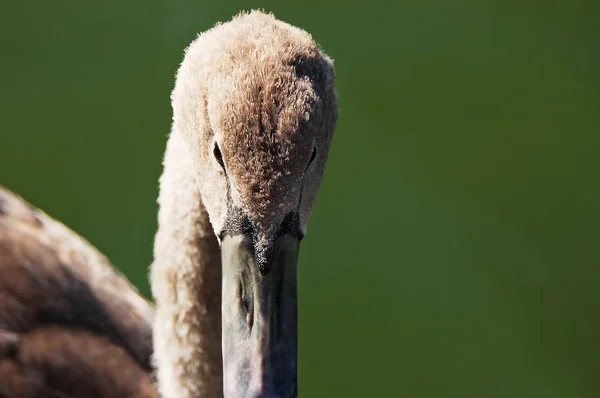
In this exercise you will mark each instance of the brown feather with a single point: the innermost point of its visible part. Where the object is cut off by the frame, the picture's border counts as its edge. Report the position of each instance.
(70, 324)
(59, 362)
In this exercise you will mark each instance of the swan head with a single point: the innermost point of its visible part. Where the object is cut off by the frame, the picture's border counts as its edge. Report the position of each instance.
(255, 102)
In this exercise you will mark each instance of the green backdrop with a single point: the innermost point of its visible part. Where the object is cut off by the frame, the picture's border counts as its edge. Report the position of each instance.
(454, 247)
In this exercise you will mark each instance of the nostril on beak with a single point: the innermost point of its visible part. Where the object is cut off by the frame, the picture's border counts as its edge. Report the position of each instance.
(250, 321)
(246, 306)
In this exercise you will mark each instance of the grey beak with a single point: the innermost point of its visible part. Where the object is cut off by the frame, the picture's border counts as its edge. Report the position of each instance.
(259, 318)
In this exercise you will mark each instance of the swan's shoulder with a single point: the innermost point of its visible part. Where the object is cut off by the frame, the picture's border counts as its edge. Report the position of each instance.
(56, 287)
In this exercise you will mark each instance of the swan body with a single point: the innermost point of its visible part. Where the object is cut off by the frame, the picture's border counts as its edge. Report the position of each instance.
(254, 110)
(70, 324)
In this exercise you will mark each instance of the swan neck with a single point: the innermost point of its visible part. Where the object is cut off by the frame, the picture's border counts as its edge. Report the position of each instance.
(186, 284)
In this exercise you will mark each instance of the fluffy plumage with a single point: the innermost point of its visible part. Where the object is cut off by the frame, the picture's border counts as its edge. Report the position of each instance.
(254, 94)
(66, 315)
(264, 91)
(261, 92)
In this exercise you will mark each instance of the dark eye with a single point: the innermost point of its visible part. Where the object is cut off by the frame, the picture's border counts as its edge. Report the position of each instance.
(218, 156)
(313, 155)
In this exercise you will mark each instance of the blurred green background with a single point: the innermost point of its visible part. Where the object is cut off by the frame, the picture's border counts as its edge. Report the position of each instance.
(454, 248)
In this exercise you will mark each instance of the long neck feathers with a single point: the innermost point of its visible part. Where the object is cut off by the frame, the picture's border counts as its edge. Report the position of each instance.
(186, 284)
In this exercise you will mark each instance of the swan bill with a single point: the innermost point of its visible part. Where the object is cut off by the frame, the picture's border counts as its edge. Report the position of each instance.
(259, 318)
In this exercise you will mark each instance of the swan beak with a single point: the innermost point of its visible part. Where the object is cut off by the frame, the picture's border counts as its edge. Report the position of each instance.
(260, 321)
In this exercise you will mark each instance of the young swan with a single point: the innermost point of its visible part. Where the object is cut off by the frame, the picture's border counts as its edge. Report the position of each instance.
(254, 113)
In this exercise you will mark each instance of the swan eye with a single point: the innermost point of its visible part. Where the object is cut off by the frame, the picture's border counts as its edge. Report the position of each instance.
(218, 156)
